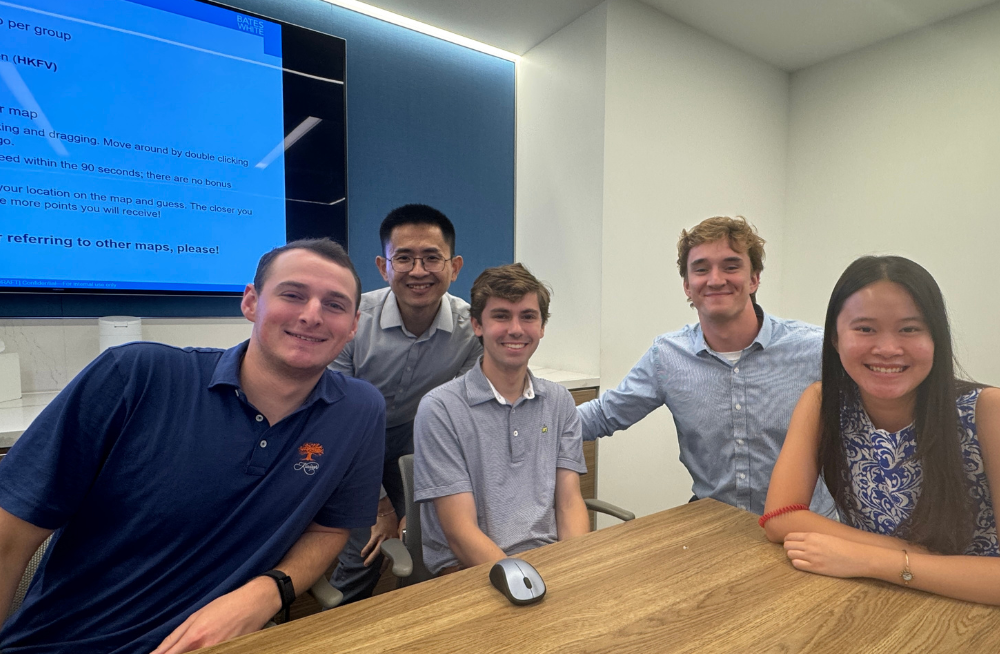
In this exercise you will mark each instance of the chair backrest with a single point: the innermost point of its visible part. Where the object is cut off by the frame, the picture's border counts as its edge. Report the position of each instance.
(412, 538)
(29, 574)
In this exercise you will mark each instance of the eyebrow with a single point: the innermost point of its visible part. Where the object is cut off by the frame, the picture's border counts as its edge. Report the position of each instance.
(410, 251)
(301, 286)
(726, 260)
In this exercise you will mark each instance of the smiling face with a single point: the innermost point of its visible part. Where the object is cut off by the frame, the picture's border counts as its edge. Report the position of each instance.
(417, 289)
(304, 314)
(510, 332)
(884, 343)
(719, 281)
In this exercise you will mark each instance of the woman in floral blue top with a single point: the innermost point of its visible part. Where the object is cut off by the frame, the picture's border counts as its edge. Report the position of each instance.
(907, 450)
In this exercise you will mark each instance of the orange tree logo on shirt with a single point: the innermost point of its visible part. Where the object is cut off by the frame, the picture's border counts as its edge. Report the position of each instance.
(308, 451)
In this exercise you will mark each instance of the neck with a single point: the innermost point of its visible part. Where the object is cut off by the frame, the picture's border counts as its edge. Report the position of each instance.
(892, 414)
(418, 320)
(509, 382)
(732, 334)
(275, 393)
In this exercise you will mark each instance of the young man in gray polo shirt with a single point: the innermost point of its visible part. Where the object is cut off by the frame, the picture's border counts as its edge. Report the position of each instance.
(412, 336)
(498, 452)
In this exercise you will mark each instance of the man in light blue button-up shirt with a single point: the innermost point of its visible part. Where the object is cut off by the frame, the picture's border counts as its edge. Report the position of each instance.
(412, 337)
(731, 380)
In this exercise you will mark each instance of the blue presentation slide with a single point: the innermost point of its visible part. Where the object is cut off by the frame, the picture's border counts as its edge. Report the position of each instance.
(140, 145)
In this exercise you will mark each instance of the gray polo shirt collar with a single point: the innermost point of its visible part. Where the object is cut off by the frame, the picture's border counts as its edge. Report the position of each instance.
(391, 317)
(478, 388)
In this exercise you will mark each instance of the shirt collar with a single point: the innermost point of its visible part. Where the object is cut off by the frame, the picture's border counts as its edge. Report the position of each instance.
(329, 388)
(479, 389)
(763, 337)
(392, 318)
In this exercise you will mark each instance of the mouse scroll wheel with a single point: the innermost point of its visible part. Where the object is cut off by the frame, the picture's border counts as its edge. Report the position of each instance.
(527, 582)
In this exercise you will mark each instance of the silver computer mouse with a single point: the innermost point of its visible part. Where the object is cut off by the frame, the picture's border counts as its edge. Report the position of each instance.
(517, 580)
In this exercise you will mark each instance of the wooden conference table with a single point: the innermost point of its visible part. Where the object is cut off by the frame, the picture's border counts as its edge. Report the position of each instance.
(696, 578)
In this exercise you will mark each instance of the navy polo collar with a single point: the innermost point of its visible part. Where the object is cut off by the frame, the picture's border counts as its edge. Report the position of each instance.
(329, 388)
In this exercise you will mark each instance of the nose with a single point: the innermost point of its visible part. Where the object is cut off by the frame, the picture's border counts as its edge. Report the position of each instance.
(514, 327)
(312, 312)
(887, 345)
(422, 271)
(715, 277)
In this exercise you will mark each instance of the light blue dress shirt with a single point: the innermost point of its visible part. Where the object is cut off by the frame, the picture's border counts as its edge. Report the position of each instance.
(731, 418)
(404, 366)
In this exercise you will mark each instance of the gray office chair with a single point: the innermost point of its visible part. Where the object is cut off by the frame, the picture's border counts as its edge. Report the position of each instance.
(29, 574)
(411, 536)
(392, 548)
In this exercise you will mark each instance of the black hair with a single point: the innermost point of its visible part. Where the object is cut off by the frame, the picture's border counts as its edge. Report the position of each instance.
(417, 214)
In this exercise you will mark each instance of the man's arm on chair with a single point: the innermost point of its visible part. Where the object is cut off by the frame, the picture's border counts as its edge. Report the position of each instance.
(572, 518)
(460, 524)
(249, 607)
(18, 542)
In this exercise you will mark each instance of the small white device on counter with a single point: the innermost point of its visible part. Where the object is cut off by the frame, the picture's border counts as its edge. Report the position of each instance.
(118, 330)
(10, 375)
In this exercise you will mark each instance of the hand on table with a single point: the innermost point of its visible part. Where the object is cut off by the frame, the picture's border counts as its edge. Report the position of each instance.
(243, 611)
(829, 555)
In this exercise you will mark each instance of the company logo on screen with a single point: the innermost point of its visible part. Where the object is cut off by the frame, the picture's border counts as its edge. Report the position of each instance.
(250, 25)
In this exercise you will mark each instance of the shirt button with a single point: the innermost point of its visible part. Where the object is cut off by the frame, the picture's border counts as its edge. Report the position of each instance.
(515, 432)
(237, 392)
(738, 407)
(742, 476)
(260, 418)
(743, 506)
(739, 441)
(735, 370)
(263, 443)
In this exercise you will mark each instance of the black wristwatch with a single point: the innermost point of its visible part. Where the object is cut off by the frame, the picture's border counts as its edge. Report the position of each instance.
(285, 589)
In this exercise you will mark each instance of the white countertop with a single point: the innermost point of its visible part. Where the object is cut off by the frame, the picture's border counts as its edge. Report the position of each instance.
(16, 415)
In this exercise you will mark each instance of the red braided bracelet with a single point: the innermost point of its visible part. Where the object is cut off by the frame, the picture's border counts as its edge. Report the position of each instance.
(783, 510)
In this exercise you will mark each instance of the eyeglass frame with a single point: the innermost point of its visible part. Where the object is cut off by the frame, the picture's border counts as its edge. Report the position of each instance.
(423, 262)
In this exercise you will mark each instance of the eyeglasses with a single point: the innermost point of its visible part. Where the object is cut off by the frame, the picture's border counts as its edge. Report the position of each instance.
(432, 263)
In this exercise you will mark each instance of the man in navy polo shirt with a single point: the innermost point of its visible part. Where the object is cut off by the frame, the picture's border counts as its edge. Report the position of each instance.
(173, 480)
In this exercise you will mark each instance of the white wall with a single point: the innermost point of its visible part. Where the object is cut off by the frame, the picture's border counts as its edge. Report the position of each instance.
(560, 185)
(632, 127)
(52, 352)
(694, 128)
(896, 150)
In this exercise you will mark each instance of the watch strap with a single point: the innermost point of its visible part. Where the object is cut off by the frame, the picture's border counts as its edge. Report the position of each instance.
(285, 589)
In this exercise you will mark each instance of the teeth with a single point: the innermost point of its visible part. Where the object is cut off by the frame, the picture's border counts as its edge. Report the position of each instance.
(306, 338)
(419, 287)
(514, 346)
(884, 369)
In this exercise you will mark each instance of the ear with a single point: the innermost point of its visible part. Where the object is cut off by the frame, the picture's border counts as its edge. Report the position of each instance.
(456, 265)
(476, 327)
(380, 263)
(249, 303)
(754, 281)
(687, 288)
(354, 327)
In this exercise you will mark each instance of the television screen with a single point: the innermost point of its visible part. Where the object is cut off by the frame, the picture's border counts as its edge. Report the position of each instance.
(161, 146)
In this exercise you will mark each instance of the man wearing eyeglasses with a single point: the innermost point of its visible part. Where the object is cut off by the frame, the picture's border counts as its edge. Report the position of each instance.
(412, 336)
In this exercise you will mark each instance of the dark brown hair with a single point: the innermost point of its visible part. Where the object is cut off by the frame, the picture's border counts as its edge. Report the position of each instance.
(324, 247)
(511, 282)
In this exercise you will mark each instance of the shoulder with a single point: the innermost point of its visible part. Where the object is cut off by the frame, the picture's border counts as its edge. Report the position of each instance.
(988, 403)
(795, 330)
(449, 395)
(133, 356)
(358, 391)
(558, 394)
(461, 313)
(372, 301)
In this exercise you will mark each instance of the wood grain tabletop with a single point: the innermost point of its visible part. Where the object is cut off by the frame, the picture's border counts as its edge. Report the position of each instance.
(697, 578)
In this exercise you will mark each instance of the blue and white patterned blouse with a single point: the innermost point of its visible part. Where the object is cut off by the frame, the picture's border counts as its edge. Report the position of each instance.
(886, 475)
